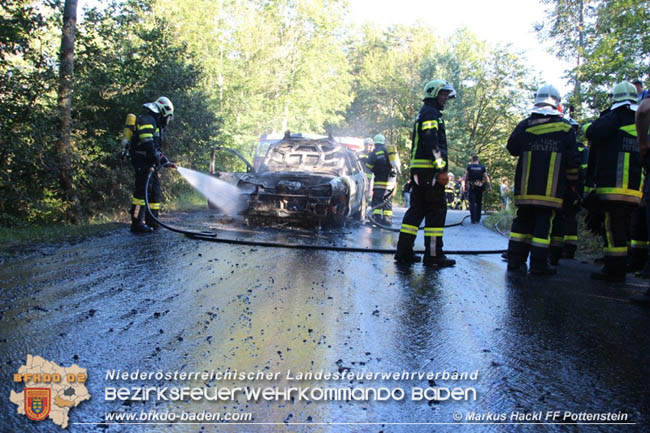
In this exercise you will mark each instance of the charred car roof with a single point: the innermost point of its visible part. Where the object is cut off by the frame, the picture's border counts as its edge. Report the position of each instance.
(305, 155)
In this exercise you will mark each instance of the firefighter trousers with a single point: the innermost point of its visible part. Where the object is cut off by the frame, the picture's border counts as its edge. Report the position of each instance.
(531, 233)
(141, 167)
(428, 203)
(616, 234)
(384, 213)
(564, 237)
(638, 252)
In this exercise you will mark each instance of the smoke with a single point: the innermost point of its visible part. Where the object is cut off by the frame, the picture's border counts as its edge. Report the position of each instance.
(220, 193)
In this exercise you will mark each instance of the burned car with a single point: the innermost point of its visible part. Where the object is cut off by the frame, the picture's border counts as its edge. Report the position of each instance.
(305, 180)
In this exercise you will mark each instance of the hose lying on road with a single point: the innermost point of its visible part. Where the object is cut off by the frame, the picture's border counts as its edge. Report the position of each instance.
(372, 219)
(212, 237)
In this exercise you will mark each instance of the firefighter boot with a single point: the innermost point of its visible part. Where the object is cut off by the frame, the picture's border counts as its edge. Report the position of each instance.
(516, 265)
(541, 267)
(404, 254)
(613, 271)
(150, 221)
(440, 260)
(517, 256)
(138, 225)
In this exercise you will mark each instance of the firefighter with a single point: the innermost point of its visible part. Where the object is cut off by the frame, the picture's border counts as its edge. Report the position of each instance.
(618, 177)
(476, 178)
(450, 192)
(429, 175)
(545, 144)
(642, 127)
(145, 150)
(384, 181)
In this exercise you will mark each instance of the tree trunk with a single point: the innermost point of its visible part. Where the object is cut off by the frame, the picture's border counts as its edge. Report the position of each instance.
(581, 53)
(66, 70)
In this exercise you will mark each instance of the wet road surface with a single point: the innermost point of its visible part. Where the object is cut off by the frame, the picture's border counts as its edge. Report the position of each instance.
(166, 302)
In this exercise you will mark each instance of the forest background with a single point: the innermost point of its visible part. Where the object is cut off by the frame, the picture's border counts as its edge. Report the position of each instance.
(237, 69)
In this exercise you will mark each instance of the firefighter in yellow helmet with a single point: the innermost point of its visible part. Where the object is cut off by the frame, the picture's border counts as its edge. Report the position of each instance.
(429, 176)
(144, 137)
(618, 186)
(384, 181)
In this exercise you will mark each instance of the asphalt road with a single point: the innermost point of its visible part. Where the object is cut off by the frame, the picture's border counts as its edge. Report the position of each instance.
(166, 302)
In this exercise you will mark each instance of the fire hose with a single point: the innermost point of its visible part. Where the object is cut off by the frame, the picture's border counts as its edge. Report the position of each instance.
(212, 237)
(389, 197)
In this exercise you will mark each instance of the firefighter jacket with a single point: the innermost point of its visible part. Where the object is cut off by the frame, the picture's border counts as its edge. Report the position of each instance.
(380, 166)
(429, 148)
(147, 139)
(548, 158)
(616, 151)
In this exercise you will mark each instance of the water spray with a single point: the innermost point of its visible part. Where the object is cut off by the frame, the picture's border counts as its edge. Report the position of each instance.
(220, 193)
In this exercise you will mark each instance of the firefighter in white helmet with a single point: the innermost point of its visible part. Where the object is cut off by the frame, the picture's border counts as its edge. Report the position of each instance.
(145, 141)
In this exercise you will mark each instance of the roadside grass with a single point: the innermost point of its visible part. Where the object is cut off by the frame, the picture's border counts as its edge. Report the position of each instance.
(500, 221)
(187, 200)
(589, 244)
(19, 240)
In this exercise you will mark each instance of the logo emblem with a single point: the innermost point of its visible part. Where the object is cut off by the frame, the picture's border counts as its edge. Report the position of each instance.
(37, 403)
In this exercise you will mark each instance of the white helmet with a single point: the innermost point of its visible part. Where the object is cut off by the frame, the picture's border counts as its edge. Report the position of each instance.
(165, 106)
(547, 101)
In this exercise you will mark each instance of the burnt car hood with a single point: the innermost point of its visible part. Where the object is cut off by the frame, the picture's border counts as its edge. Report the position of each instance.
(291, 181)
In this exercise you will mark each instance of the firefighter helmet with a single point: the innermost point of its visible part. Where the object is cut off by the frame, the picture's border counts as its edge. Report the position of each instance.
(433, 87)
(368, 141)
(547, 101)
(624, 91)
(165, 107)
(379, 139)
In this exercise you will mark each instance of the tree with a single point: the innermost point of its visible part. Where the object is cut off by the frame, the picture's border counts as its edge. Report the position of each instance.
(570, 25)
(608, 41)
(66, 71)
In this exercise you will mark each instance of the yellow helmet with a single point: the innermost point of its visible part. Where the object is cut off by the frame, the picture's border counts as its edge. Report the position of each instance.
(433, 87)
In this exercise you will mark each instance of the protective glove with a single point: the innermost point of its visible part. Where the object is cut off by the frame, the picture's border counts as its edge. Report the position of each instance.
(171, 164)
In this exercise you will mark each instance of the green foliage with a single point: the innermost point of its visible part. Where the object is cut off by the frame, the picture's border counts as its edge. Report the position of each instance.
(391, 67)
(27, 98)
(608, 42)
(234, 70)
